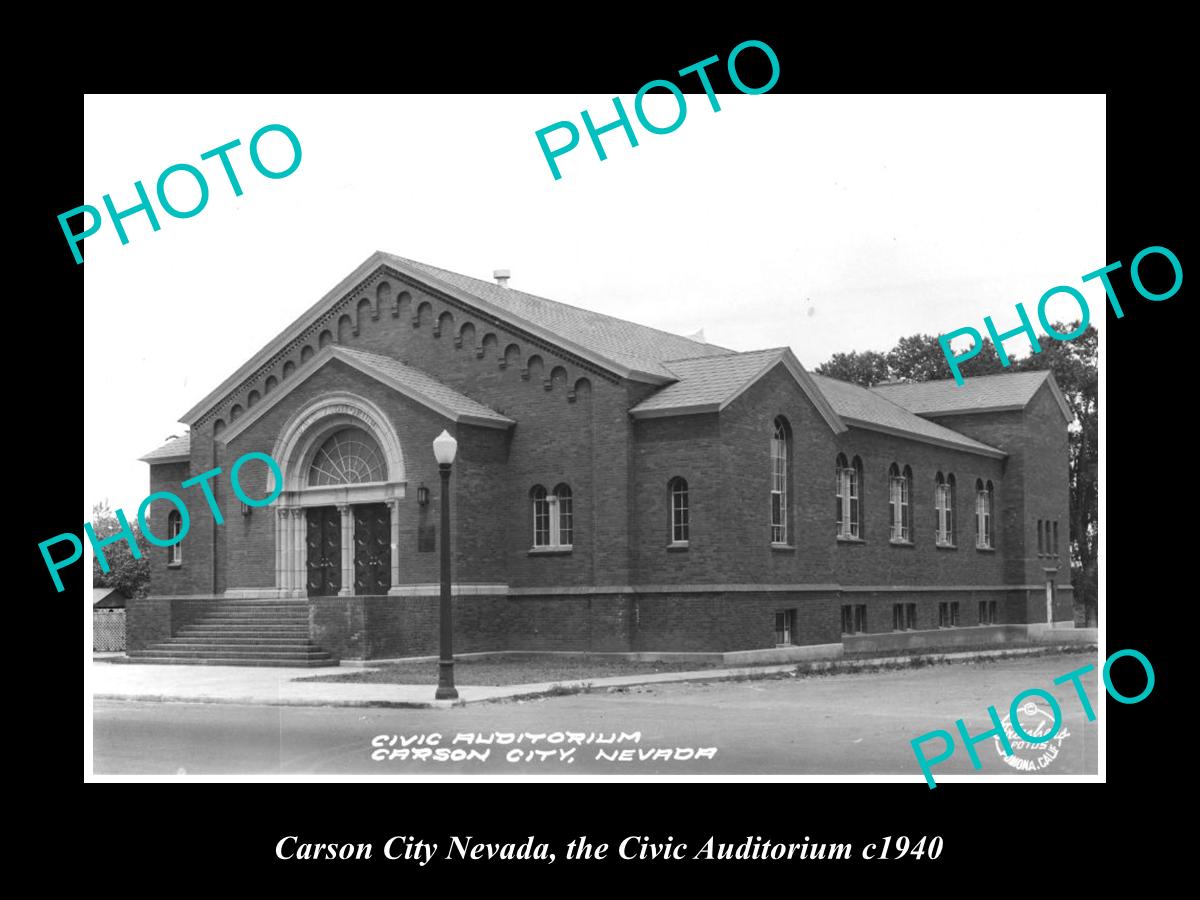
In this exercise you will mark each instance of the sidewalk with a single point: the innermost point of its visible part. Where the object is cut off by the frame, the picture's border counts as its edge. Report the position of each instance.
(269, 686)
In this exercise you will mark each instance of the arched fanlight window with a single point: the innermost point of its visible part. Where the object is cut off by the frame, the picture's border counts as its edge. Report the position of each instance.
(677, 490)
(348, 456)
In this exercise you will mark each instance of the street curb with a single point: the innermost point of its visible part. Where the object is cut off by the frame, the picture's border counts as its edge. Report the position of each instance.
(285, 701)
(566, 688)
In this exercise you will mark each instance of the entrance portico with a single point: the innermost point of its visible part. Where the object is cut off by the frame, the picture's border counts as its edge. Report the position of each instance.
(343, 472)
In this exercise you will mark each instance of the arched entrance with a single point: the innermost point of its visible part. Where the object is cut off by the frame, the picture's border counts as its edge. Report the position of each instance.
(337, 523)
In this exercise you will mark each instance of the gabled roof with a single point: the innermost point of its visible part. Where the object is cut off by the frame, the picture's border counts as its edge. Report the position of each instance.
(979, 393)
(867, 409)
(626, 349)
(412, 383)
(711, 383)
(175, 450)
(108, 598)
(632, 346)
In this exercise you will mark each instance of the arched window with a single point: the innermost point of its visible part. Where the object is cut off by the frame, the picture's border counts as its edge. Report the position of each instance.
(566, 530)
(677, 488)
(943, 506)
(348, 456)
(985, 536)
(174, 527)
(848, 483)
(541, 517)
(780, 454)
(900, 504)
(553, 517)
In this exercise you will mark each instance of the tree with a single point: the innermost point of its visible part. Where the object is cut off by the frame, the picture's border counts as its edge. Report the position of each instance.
(866, 368)
(124, 572)
(919, 357)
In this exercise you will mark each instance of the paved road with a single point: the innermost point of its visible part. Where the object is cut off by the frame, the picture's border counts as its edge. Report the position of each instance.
(854, 724)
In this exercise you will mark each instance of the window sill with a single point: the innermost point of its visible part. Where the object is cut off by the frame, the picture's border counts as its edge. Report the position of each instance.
(783, 548)
(946, 546)
(676, 546)
(551, 551)
(843, 539)
(177, 565)
(896, 543)
(985, 549)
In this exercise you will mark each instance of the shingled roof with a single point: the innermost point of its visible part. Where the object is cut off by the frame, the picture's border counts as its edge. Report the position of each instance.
(420, 386)
(626, 349)
(867, 409)
(710, 383)
(979, 393)
(412, 383)
(633, 346)
(174, 450)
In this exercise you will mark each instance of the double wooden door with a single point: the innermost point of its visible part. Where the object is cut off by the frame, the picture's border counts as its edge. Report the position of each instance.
(324, 551)
(372, 549)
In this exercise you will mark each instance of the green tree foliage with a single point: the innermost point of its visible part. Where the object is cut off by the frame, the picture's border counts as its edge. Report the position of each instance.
(867, 368)
(124, 572)
(1074, 363)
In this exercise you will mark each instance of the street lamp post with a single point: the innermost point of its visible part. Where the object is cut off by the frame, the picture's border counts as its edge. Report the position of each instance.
(444, 449)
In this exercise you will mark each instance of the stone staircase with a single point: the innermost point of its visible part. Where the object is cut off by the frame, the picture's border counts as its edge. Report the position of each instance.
(242, 633)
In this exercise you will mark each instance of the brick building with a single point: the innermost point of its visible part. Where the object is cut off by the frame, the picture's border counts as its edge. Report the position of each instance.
(616, 488)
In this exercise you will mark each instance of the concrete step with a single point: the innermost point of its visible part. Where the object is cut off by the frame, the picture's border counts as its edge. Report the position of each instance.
(259, 604)
(226, 653)
(251, 621)
(255, 610)
(188, 661)
(217, 645)
(251, 640)
(245, 639)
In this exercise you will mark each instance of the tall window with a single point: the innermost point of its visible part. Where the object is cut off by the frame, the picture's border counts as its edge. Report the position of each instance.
(541, 517)
(987, 612)
(901, 514)
(1055, 544)
(849, 485)
(566, 530)
(553, 520)
(948, 614)
(1041, 542)
(174, 527)
(678, 490)
(779, 470)
(984, 527)
(943, 502)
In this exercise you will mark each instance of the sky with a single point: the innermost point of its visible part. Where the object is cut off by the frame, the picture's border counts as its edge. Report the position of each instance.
(823, 223)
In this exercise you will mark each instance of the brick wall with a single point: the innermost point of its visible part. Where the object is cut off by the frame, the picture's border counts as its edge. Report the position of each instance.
(579, 433)
(1037, 483)
(164, 578)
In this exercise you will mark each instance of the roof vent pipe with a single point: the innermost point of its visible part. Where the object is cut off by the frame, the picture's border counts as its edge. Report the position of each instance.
(502, 276)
